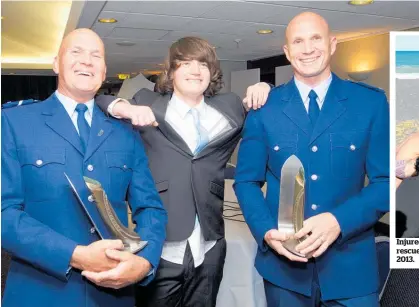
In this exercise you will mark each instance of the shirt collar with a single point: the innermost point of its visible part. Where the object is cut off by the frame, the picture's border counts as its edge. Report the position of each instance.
(70, 104)
(320, 89)
(182, 108)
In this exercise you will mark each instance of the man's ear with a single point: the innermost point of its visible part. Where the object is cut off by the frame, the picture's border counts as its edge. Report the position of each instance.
(104, 74)
(286, 51)
(55, 66)
(333, 43)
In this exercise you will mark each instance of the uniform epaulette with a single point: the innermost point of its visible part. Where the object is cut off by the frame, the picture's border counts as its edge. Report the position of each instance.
(278, 86)
(12, 104)
(374, 88)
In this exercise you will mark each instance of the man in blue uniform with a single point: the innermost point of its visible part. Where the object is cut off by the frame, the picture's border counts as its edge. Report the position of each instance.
(340, 132)
(57, 257)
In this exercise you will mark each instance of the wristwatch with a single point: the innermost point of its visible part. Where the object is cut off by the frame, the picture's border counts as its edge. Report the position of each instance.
(401, 166)
(417, 166)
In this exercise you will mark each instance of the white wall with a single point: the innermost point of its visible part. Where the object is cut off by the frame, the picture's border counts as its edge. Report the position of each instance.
(370, 53)
(227, 67)
(242, 79)
(283, 74)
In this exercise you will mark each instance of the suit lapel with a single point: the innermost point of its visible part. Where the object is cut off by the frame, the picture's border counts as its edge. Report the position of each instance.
(225, 135)
(159, 108)
(295, 109)
(332, 108)
(100, 130)
(57, 118)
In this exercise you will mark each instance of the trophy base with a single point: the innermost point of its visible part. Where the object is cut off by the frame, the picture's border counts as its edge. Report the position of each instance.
(134, 247)
(290, 245)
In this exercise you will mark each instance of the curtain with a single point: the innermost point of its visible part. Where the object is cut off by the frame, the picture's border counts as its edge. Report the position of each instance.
(25, 87)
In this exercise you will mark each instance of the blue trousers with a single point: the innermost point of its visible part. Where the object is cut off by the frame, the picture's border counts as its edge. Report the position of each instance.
(280, 297)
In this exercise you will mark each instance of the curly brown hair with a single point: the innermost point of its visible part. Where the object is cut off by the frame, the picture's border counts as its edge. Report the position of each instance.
(188, 49)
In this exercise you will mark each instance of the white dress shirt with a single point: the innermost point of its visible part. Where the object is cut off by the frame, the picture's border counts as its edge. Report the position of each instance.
(70, 106)
(178, 116)
(321, 91)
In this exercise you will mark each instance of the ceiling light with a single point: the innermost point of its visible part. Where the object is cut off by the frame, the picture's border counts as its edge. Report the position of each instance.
(361, 2)
(125, 44)
(264, 31)
(107, 20)
(2, 17)
(123, 76)
(28, 60)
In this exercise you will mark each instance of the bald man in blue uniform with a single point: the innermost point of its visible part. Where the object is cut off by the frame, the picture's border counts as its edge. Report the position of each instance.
(340, 132)
(58, 258)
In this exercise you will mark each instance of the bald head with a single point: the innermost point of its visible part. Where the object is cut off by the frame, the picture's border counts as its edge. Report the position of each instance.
(80, 65)
(309, 47)
(307, 18)
(81, 34)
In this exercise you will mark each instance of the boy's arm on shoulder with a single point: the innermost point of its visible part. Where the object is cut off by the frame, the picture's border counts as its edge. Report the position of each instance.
(144, 97)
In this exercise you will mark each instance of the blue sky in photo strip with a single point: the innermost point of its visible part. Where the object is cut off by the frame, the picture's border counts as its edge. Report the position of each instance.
(407, 42)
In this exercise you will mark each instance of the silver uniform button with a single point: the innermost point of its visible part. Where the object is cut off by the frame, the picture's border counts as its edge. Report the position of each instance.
(352, 147)
(125, 167)
(314, 206)
(314, 148)
(90, 167)
(39, 162)
(90, 198)
(92, 230)
(276, 148)
(314, 177)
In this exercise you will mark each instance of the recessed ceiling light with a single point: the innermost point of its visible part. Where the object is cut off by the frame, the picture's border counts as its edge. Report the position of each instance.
(123, 76)
(126, 44)
(107, 20)
(361, 2)
(264, 31)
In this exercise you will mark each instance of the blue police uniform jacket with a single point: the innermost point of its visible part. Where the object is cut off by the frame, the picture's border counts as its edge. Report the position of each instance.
(349, 141)
(42, 221)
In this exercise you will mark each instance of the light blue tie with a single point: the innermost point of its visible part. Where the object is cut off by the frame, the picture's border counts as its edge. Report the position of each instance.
(203, 137)
(84, 128)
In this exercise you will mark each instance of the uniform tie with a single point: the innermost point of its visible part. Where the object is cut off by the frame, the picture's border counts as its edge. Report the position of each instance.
(313, 107)
(84, 128)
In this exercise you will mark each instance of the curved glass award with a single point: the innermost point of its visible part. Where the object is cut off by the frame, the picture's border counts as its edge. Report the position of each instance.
(291, 202)
(103, 216)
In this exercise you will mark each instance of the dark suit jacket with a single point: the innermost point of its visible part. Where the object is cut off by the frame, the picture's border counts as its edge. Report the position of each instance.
(42, 220)
(188, 184)
(349, 140)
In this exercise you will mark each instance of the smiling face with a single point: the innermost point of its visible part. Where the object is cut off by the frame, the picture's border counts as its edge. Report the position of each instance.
(80, 65)
(309, 48)
(191, 79)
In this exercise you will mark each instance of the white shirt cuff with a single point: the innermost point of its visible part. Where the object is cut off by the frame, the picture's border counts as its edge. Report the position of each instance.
(68, 270)
(110, 107)
(150, 273)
